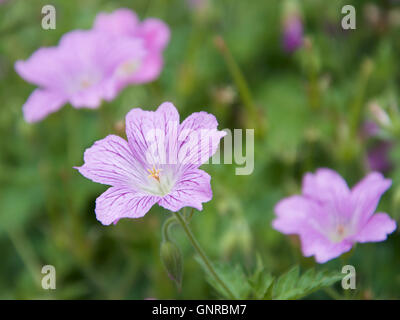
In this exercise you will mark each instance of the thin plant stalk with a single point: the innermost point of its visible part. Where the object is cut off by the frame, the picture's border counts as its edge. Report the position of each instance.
(202, 254)
(240, 82)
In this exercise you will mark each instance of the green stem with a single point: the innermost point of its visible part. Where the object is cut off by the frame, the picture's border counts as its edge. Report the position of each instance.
(165, 229)
(26, 252)
(240, 82)
(202, 254)
(357, 105)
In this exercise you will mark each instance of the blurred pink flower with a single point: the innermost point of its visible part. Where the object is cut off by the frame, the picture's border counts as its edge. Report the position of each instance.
(378, 149)
(158, 164)
(89, 66)
(330, 218)
(82, 70)
(378, 156)
(153, 32)
(292, 37)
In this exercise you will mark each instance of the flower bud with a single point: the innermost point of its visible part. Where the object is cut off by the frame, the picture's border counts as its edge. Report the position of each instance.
(380, 115)
(292, 36)
(171, 258)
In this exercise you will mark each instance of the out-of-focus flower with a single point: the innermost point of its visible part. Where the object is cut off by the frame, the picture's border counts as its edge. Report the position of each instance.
(197, 4)
(330, 218)
(224, 95)
(369, 129)
(154, 34)
(90, 66)
(159, 163)
(82, 70)
(380, 116)
(373, 15)
(378, 156)
(292, 33)
(377, 149)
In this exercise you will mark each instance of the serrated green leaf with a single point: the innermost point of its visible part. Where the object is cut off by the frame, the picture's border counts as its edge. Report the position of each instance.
(260, 281)
(285, 283)
(234, 277)
(291, 286)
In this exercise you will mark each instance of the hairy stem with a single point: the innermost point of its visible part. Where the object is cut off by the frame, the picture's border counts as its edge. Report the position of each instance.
(202, 254)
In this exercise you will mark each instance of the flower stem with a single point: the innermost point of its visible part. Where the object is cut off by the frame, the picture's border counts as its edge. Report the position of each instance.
(241, 84)
(202, 254)
(357, 105)
(26, 252)
(165, 229)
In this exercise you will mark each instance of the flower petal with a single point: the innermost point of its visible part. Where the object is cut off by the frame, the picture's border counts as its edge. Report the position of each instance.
(376, 229)
(152, 135)
(120, 22)
(110, 161)
(297, 214)
(308, 219)
(314, 244)
(155, 32)
(149, 70)
(192, 189)
(41, 103)
(365, 197)
(117, 203)
(42, 68)
(198, 139)
(324, 186)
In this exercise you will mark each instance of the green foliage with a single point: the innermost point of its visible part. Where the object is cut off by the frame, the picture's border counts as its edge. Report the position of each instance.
(306, 98)
(293, 286)
(262, 285)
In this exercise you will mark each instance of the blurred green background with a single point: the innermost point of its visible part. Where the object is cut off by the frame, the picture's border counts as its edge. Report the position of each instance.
(309, 108)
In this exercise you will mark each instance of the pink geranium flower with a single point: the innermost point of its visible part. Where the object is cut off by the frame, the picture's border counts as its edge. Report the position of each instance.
(158, 164)
(330, 218)
(90, 66)
(153, 32)
(82, 70)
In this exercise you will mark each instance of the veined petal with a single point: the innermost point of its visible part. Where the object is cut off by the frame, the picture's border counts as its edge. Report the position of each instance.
(376, 229)
(191, 190)
(117, 203)
(198, 138)
(110, 161)
(41, 103)
(365, 197)
(152, 135)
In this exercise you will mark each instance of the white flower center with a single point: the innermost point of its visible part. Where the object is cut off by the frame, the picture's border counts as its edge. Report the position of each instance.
(339, 233)
(128, 68)
(159, 183)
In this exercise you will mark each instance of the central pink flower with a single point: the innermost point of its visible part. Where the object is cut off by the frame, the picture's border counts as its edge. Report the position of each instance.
(159, 163)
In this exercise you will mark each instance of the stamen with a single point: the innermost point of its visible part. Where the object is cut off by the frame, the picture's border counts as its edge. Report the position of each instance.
(340, 230)
(85, 84)
(154, 173)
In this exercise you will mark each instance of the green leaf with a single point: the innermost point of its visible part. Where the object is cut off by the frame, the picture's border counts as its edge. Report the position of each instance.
(233, 276)
(292, 286)
(260, 281)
